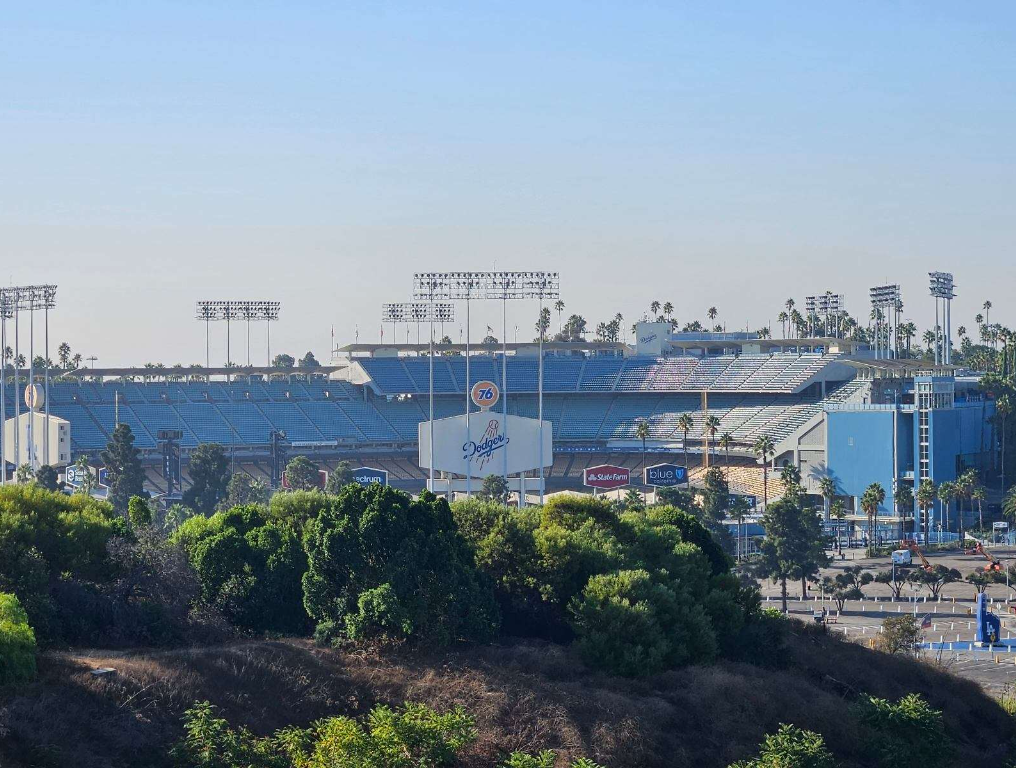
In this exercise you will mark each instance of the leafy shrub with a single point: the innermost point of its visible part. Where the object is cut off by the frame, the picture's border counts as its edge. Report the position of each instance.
(545, 759)
(900, 635)
(46, 535)
(634, 624)
(413, 736)
(791, 747)
(909, 730)
(763, 640)
(249, 567)
(382, 565)
(17, 642)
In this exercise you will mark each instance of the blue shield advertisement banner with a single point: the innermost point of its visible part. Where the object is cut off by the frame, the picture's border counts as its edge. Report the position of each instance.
(368, 475)
(665, 475)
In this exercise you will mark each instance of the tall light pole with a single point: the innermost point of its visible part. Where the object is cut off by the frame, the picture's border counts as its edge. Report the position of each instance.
(498, 286)
(941, 284)
(229, 310)
(885, 303)
(422, 312)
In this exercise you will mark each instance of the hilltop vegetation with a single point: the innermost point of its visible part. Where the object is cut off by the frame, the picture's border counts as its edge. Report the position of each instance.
(621, 636)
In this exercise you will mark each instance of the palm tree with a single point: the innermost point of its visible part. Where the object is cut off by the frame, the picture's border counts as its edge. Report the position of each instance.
(559, 306)
(926, 493)
(726, 440)
(710, 427)
(668, 310)
(763, 448)
(1003, 407)
(978, 495)
(904, 498)
(838, 512)
(654, 307)
(929, 339)
(642, 432)
(965, 485)
(711, 313)
(685, 423)
(872, 499)
(947, 492)
(783, 317)
(1009, 506)
(987, 312)
(827, 488)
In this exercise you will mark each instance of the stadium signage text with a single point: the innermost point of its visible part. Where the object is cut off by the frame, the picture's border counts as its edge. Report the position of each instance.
(605, 476)
(484, 394)
(368, 475)
(480, 451)
(665, 475)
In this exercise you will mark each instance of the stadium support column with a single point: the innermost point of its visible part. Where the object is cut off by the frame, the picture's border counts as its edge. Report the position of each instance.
(938, 333)
(431, 430)
(45, 399)
(504, 375)
(17, 383)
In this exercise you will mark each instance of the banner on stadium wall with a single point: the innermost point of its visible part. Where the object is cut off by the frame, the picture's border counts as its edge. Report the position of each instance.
(605, 476)
(665, 475)
(488, 446)
(368, 475)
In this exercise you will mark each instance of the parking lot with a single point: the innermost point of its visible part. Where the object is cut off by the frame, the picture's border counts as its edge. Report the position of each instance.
(951, 621)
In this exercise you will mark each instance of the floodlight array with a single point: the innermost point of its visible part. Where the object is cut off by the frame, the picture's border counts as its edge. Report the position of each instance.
(237, 310)
(942, 285)
(417, 312)
(486, 285)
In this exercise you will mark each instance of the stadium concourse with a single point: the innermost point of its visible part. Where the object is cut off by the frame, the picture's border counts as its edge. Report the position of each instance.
(825, 411)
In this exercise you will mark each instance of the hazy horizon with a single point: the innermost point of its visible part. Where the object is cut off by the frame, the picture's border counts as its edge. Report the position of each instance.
(732, 156)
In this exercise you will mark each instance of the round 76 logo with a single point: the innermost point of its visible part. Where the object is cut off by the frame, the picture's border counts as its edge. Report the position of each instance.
(484, 394)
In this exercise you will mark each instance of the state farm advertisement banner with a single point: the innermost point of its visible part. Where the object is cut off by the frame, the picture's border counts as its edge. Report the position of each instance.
(605, 476)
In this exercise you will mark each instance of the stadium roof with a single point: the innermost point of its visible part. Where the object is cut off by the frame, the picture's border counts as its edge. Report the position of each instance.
(872, 368)
(235, 372)
(480, 348)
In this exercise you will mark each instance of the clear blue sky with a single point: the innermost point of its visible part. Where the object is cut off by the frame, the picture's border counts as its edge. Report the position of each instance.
(318, 153)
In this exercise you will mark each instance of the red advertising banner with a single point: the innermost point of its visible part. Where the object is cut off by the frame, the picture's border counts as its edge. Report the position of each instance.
(605, 476)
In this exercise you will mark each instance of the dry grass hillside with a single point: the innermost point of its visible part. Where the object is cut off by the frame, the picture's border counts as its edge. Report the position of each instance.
(524, 696)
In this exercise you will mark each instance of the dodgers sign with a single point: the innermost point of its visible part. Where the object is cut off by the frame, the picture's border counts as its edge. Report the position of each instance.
(368, 475)
(493, 445)
(665, 475)
(605, 476)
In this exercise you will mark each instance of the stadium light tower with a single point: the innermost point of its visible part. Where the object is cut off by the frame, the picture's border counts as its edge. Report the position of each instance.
(13, 301)
(422, 312)
(230, 310)
(942, 291)
(825, 305)
(499, 286)
(886, 302)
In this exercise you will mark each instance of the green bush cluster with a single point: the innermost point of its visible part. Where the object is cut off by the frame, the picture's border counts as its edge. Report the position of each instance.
(791, 747)
(908, 730)
(46, 537)
(412, 736)
(384, 566)
(17, 642)
(641, 590)
(249, 566)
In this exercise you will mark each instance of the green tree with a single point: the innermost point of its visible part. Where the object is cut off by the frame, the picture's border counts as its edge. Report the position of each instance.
(904, 498)
(838, 512)
(382, 564)
(86, 482)
(935, 579)
(494, 488)
(926, 494)
(642, 433)
(947, 493)
(17, 642)
(339, 478)
(283, 361)
(685, 424)
(791, 747)
(209, 473)
(633, 624)
(791, 545)
(871, 500)
(249, 567)
(123, 467)
(841, 588)
(47, 477)
(634, 501)
(827, 489)
(309, 361)
(138, 512)
(244, 489)
(763, 449)
(302, 474)
(909, 731)
(24, 474)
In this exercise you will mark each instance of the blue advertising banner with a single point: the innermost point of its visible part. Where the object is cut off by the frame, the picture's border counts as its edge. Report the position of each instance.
(368, 475)
(665, 475)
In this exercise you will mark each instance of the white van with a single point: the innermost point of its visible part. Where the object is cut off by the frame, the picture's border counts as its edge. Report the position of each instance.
(902, 557)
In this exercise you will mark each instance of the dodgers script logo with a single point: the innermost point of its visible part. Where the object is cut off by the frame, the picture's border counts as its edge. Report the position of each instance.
(493, 439)
(484, 394)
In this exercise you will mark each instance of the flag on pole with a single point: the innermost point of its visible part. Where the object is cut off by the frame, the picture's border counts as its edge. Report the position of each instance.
(926, 621)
